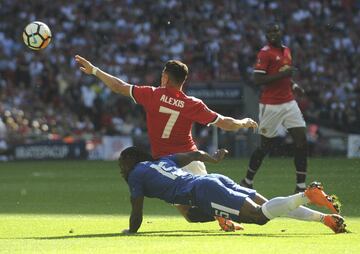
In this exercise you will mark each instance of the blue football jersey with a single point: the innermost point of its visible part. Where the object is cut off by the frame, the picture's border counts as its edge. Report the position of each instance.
(162, 179)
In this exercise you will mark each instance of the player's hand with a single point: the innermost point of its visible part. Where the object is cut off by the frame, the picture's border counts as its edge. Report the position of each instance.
(220, 154)
(85, 65)
(248, 123)
(298, 90)
(215, 158)
(288, 71)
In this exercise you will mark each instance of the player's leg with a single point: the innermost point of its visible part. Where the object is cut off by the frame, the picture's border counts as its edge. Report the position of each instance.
(251, 213)
(333, 221)
(215, 198)
(300, 156)
(313, 194)
(270, 118)
(300, 213)
(256, 160)
(295, 124)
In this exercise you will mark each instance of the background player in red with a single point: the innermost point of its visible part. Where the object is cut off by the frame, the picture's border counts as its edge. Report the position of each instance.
(278, 109)
(170, 113)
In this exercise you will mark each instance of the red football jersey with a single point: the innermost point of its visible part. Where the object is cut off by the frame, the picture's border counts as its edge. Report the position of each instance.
(169, 116)
(269, 61)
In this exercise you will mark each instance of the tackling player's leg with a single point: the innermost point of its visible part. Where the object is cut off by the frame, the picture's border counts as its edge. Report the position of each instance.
(240, 207)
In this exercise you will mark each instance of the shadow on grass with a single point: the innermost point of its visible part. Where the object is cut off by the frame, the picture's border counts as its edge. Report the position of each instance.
(175, 233)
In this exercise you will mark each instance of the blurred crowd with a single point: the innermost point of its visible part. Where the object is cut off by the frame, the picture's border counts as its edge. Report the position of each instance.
(44, 95)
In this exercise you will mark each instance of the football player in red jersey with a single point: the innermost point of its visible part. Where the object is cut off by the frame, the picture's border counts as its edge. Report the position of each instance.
(273, 72)
(170, 113)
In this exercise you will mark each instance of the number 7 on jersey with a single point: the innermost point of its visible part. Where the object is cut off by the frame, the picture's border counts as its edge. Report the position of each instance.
(171, 122)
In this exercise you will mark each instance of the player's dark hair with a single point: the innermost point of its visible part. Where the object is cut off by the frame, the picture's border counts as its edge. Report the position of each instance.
(130, 157)
(177, 71)
(268, 26)
(136, 154)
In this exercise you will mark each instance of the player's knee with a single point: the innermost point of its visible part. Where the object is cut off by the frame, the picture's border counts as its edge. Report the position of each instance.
(262, 220)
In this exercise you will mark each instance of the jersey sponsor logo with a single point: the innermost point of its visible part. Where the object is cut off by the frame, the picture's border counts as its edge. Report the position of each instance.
(172, 101)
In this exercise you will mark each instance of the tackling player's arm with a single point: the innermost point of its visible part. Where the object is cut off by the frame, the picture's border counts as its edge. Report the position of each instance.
(183, 159)
(230, 124)
(115, 84)
(136, 215)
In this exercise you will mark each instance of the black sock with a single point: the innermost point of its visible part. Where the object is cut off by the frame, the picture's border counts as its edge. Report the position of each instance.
(255, 163)
(300, 160)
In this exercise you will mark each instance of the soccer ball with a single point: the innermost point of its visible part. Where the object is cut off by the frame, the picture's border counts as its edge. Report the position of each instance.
(37, 35)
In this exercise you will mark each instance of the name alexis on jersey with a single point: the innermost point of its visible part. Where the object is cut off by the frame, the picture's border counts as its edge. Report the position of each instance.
(172, 101)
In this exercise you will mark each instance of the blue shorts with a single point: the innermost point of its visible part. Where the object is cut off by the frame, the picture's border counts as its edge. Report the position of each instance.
(218, 195)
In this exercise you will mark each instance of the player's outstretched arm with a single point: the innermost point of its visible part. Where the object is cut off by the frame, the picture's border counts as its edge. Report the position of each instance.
(136, 215)
(183, 159)
(231, 124)
(115, 84)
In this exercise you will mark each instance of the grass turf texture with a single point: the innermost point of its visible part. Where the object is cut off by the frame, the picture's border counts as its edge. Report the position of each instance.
(82, 206)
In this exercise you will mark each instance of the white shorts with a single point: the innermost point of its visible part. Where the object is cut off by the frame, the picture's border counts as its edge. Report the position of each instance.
(274, 117)
(196, 168)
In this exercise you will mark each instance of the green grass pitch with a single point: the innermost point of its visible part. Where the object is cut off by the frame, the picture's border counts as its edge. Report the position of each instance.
(82, 206)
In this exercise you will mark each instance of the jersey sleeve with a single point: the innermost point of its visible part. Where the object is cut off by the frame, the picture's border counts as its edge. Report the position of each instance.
(142, 94)
(200, 113)
(262, 62)
(135, 186)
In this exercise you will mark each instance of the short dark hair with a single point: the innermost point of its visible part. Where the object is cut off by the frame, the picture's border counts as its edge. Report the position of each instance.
(270, 25)
(136, 154)
(177, 71)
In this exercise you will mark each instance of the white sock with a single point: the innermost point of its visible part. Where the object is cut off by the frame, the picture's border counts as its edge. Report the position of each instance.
(304, 213)
(301, 185)
(282, 205)
(249, 181)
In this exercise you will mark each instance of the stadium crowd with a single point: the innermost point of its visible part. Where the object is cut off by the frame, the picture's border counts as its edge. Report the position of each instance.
(42, 94)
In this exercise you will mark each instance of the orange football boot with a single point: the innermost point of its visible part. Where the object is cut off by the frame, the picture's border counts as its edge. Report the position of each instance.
(314, 192)
(336, 223)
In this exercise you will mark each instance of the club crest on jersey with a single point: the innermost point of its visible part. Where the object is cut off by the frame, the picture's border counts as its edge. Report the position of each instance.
(172, 101)
(277, 58)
